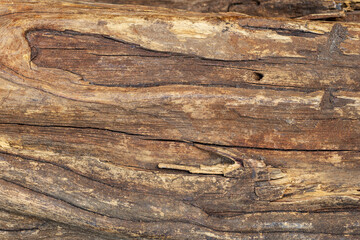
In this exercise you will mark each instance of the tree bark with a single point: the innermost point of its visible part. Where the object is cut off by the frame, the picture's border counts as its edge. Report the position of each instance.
(342, 10)
(121, 122)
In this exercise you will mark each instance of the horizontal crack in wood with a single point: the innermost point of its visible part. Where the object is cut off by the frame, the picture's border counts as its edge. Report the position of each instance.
(150, 138)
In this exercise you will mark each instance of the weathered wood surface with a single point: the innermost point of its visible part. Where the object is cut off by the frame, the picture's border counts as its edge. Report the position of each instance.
(345, 10)
(137, 122)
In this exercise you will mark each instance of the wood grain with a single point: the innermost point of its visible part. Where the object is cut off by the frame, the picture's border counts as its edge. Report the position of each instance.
(125, 122)
(311, 9)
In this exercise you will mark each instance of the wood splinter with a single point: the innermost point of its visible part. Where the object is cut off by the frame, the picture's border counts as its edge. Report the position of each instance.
(221, 169)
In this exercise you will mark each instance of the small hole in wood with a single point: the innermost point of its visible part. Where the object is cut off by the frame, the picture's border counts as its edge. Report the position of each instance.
(258, 76)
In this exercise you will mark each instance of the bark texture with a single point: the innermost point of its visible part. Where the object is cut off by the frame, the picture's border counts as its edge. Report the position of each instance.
(344, 10)
(121, 122)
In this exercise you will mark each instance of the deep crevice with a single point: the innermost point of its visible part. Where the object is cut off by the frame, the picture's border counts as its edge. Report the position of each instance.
(285, 31)
(351, 209)
(20, 229)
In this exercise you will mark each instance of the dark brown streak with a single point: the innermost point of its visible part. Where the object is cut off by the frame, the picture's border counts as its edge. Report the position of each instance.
(20, 229)
(150, 138)
(284, 31)
(242, 213)
(16, 13)
(119, 55)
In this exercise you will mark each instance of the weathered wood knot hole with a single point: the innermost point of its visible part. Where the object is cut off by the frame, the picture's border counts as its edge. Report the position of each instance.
(258, 76)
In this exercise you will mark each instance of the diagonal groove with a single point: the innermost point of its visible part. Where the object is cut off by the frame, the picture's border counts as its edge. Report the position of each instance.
(59, 199)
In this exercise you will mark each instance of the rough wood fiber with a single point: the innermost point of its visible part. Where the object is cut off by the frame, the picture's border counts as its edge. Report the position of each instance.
(137, 122)
(309, 9)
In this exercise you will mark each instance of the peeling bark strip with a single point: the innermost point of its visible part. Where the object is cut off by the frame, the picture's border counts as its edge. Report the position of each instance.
(128, 122)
